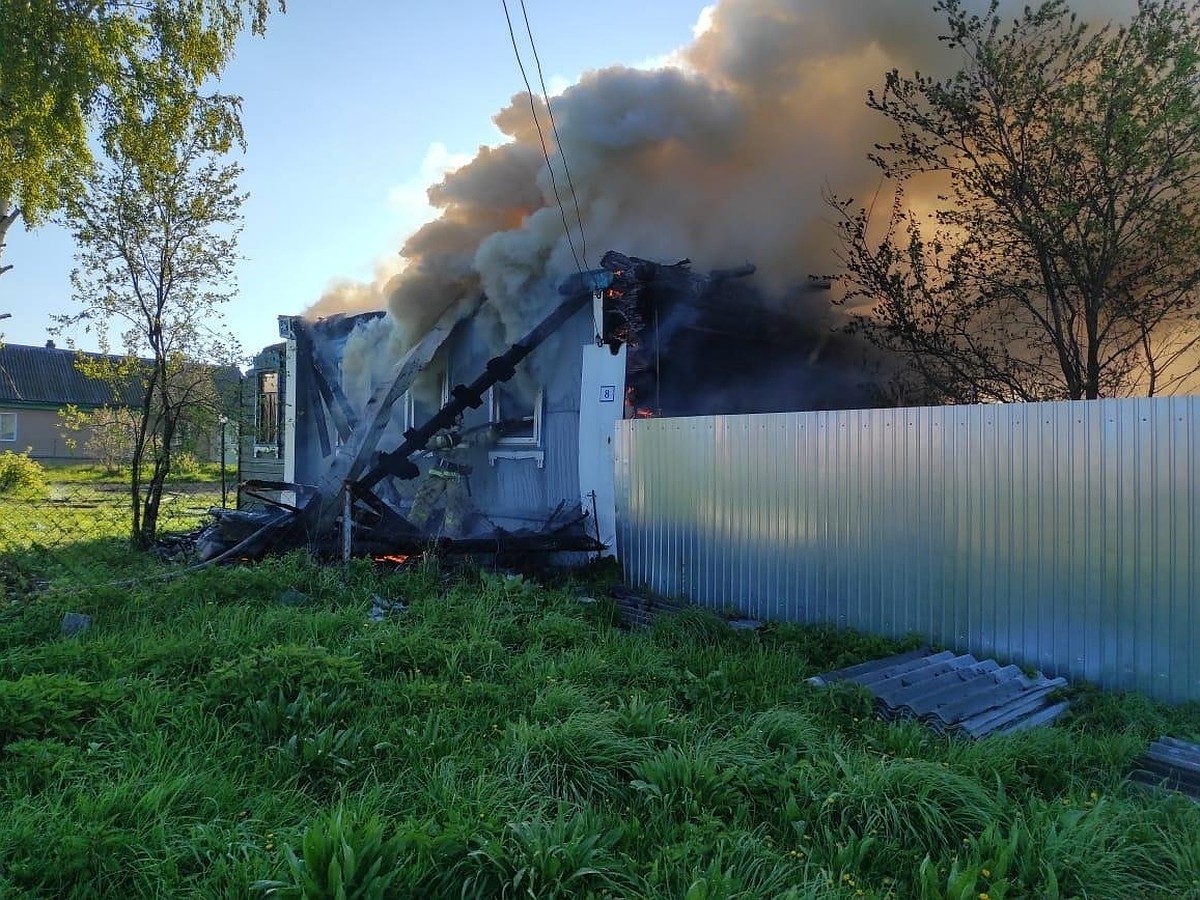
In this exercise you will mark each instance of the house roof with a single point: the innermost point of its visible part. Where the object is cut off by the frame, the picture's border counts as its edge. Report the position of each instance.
(49, 376)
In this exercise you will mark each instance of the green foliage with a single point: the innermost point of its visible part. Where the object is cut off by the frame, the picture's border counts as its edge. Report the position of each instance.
(107, 433)
(303, 731)
(322, 756)
(286, 669)
(157, 228)
(185, 465)
(1098, 712)
(49, 706)
(1063, 255)
(270, 719)
(686, 784)
(86, 474)
(643, 718)
(339, 860)
(714, 690)
(556, 631)
(66, 66)
(743, 865)
(692, 626)
(21, 475)
(580, 757)
(566, 857)
(788, 729)
(923, 806)
(824, 649)
(844, 701)
(204, 737)
(37, 764)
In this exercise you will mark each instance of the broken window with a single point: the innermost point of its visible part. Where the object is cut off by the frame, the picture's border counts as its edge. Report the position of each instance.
(266, 419)
(517, 416)
(429, 393)
(8, 427)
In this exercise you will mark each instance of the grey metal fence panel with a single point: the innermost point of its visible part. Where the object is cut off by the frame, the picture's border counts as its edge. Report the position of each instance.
(1063, 536)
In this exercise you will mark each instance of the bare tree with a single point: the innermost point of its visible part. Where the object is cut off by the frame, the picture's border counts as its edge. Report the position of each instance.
(1063, 256)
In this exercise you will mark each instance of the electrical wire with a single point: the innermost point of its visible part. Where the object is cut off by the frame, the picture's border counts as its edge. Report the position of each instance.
(557, 140)
(541, 136)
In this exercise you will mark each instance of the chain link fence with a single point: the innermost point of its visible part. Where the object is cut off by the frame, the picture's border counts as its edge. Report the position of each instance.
(70, 533)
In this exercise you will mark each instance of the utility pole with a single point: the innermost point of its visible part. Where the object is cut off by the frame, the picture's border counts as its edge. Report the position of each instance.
(224, 420)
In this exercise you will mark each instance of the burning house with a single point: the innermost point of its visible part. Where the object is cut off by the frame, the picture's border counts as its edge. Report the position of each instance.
(720, 156)
(480, 447)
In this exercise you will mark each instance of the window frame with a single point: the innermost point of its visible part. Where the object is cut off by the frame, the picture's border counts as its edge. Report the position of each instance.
(262, 447)
(408, 402)
(12, 415)
(522, 441)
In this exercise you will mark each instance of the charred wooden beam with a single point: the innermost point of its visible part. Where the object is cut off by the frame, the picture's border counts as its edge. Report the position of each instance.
(328, 385)
(352, 457)
(318, 413)
(271, 501)
(463, 397)
(375, 545)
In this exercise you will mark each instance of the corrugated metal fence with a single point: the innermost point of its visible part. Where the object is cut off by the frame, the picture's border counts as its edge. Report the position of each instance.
(1064, 536)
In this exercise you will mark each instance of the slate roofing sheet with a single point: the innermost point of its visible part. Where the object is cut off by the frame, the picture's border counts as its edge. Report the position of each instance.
(639, 610)
(954, 693)
(1170, 763)
(49, 375)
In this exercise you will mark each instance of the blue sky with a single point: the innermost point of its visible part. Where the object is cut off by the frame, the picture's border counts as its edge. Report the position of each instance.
(351, 109)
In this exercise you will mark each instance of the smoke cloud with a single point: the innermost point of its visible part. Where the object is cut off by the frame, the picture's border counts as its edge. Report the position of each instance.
(720, 157)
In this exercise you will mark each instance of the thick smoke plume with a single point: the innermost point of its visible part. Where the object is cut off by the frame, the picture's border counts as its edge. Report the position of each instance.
(721, 158)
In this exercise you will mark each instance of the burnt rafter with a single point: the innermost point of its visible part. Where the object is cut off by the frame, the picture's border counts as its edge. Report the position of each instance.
(351, 459)
(328, 387)
(619, 282)
(632, 302)
(398, 462)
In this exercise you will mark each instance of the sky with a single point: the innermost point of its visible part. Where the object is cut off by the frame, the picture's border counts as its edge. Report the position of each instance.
(351, 110)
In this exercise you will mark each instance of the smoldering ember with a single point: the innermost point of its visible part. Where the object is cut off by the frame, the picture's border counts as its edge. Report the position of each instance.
(511, 452)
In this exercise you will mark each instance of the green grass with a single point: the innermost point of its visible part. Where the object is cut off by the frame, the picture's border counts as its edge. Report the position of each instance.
(189, 472)
(499, 738)
(67, 516)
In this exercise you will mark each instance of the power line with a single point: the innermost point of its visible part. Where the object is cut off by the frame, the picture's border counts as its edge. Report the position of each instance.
(541, 136)
(554, 127)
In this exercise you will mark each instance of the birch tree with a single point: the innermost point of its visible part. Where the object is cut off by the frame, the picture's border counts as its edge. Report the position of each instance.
(73, 70)
(157, 226)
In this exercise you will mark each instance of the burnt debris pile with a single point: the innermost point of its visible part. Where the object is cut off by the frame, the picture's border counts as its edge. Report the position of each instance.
(349, 503)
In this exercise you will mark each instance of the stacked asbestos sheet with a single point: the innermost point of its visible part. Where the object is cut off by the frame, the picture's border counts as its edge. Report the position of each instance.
(1172, 764)
(639, 610)
(955, 694)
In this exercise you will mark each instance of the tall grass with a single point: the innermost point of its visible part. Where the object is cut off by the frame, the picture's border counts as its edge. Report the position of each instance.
(250, 730)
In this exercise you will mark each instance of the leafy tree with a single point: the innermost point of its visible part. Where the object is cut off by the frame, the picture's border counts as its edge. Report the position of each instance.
(105, 433)
(21, 475)
(1063, 256)
(157, 227)
(70, 69)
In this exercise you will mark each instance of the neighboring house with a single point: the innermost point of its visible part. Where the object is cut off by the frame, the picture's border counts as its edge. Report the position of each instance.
(37, 383)
(260, 426)
(544, 440)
